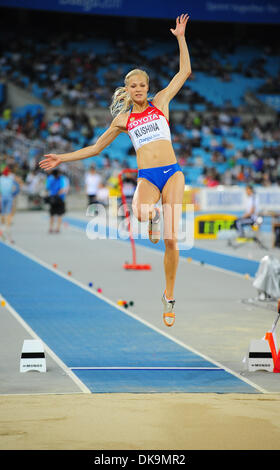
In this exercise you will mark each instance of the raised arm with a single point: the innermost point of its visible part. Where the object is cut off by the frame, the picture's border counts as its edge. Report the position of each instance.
(52, 160)
(164, 96)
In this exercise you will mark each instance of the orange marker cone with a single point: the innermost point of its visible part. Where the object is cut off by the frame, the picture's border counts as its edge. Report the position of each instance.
(269, 336)
(277, 363)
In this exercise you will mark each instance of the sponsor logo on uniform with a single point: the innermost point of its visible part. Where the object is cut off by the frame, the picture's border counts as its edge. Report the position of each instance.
(143, 120)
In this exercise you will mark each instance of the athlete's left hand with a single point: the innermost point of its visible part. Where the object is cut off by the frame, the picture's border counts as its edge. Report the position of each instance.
(181, 22)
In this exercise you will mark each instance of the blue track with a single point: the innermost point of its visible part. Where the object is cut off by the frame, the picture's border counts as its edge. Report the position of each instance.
(213, 258)
(87, 332)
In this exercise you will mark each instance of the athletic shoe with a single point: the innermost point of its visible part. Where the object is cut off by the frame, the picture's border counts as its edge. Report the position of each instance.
(168, 313)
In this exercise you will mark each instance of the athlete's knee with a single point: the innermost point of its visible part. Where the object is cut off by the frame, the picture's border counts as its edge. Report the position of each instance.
(141, 211)
(171, 243)
(139, 214)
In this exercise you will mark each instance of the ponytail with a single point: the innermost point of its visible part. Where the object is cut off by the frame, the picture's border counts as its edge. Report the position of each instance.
(121, 101)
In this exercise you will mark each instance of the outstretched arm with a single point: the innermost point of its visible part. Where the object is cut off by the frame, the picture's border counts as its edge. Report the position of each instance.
(166, 95)
(52, 160)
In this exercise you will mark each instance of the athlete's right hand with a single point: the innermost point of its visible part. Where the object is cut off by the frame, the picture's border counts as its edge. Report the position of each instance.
(50, 162)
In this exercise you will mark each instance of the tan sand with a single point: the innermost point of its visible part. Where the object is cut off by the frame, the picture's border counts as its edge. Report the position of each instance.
(140, 422)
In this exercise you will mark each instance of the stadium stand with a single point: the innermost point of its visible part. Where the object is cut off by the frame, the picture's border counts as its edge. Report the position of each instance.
(215, 140)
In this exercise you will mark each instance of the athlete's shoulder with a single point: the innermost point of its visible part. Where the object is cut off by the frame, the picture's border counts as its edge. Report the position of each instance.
(160, 105)
(120, 120)
(159, 100)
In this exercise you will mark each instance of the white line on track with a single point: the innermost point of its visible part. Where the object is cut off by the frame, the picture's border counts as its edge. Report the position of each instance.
(59, 362)
(145, 368)
(141, 320)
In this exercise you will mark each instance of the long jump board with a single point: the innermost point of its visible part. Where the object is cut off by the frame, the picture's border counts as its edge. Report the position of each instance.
(108, 348)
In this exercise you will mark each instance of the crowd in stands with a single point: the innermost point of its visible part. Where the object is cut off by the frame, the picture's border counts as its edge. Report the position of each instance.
(228, 150)
(206, 144)
(271, 85)
(214, 143)
(82, 70)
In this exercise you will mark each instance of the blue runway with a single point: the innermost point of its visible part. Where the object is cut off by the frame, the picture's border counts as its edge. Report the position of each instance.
(109, 350)
(213, 258)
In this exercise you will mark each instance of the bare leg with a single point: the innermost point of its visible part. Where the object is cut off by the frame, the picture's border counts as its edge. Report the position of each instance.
(172, 198)
(51, 223)
(7, 226)
(3, 221)
(9, 220)
(59, 220)
(171, 260)
(145, 197)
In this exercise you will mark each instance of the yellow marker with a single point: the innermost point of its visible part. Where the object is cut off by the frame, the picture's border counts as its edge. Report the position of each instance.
(3, 303)
(189, 259)
(247, 276)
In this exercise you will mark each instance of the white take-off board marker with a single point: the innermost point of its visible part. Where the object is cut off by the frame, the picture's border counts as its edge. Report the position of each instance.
(260, 356)
(33, 356)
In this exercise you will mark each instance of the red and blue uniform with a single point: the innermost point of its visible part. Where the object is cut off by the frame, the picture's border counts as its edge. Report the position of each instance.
(150, 126)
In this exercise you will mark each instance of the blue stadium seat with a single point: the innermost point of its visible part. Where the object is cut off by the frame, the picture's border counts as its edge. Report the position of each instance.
(32, 109)
(56, 102)
(3, 123)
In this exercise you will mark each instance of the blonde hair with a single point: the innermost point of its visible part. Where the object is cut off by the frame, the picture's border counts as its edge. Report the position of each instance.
(121, 101)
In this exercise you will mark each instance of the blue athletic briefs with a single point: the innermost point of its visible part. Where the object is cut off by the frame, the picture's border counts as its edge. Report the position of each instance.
(159, 175)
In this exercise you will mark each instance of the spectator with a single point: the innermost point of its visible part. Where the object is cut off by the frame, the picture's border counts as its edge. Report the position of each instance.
(18, 184)
(102, 194)
(129, 186)
(57, 189)
(33, 186)
(212, 178)
(251, 213)
(8, 189)
(92, 182)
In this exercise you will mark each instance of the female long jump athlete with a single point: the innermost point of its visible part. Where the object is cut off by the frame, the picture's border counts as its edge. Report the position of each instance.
(159, 174)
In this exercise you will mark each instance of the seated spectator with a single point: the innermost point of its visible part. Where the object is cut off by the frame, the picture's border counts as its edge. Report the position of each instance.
(251, 213)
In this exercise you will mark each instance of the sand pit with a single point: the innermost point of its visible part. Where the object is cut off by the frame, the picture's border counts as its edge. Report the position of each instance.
(140, 422)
